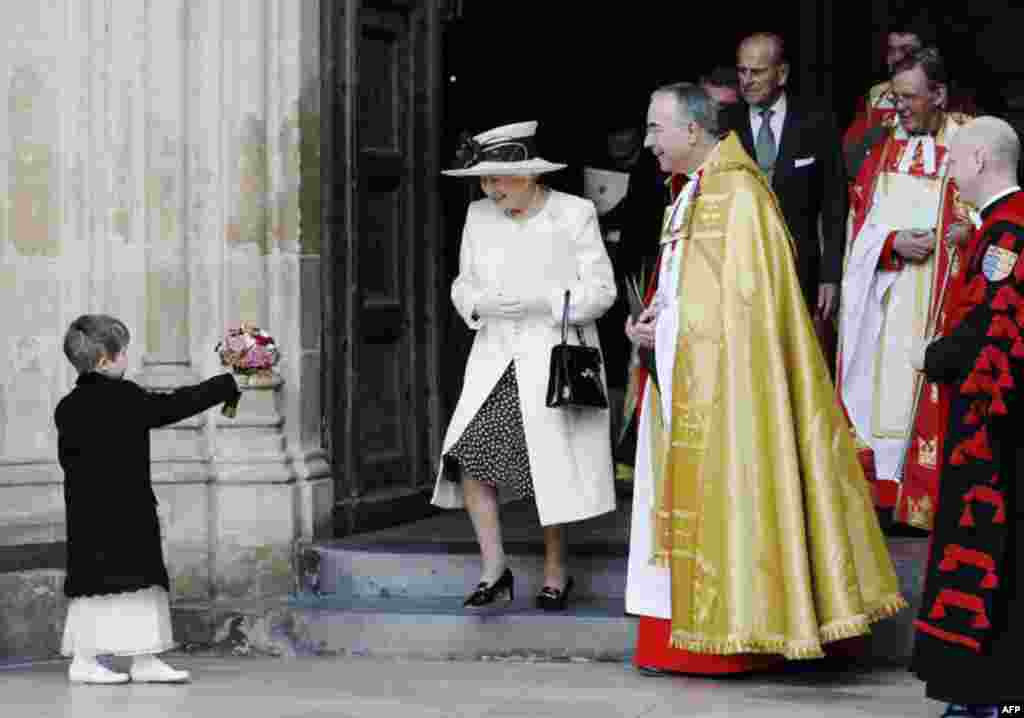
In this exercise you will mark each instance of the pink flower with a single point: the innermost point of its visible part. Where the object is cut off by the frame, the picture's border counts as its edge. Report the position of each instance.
(236, 344)
(259, 358)
(248, 349)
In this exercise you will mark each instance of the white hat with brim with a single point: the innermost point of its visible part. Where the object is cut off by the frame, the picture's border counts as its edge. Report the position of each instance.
(498, 137)
(495, 169)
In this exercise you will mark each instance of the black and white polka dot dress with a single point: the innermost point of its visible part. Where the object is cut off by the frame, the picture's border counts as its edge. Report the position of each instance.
(492, 449)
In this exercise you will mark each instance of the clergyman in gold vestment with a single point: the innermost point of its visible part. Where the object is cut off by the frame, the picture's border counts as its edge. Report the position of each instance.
(753, 528)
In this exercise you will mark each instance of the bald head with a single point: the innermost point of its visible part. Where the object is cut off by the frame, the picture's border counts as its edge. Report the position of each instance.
(983, 158)
(769, 43)
(996, 138)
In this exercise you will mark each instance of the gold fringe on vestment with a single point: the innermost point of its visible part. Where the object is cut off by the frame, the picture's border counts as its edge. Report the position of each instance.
(859, 625)
(886, 608)
(793, 650)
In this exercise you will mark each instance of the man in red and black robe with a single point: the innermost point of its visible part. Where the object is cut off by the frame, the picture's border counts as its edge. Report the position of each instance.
(971, 628)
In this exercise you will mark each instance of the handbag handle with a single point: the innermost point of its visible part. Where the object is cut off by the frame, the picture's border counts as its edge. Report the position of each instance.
(565, 324)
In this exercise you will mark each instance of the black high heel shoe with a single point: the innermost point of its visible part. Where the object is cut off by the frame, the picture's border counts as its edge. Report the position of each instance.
(553, 599)
(485, 594)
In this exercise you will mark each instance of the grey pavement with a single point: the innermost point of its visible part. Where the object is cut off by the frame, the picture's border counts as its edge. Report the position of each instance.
(246, 687)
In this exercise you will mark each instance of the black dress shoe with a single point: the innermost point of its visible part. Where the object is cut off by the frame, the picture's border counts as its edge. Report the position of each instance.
(553, 599)
(954, 710)
(485, 594)
(984, 711)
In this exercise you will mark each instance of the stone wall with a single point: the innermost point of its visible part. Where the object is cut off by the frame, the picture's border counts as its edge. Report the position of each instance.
(159, 161)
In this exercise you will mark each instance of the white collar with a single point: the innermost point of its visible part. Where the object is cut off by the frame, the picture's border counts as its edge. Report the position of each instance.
(778, 108)
(927, 143)
(998, 196)
(900, 132)
(677, 214)
(975, 214)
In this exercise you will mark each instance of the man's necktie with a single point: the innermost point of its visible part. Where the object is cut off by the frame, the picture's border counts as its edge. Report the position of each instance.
(765, 147)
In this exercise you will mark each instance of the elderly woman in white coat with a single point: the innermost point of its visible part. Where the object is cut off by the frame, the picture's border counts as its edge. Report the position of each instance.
(523, 247)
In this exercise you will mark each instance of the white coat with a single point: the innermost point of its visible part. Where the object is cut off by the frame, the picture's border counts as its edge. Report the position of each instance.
(537, 259)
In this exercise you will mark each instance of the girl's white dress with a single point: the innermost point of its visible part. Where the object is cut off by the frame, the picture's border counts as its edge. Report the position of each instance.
(119, 624)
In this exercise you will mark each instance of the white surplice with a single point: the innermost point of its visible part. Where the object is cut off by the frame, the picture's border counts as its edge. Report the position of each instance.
(883, 313)
(648, 587)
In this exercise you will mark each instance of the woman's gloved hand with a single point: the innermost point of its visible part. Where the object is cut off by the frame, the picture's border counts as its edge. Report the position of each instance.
(503, 306)
(539, 304)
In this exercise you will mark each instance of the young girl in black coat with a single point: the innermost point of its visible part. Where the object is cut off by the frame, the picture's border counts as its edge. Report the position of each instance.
(116, 579)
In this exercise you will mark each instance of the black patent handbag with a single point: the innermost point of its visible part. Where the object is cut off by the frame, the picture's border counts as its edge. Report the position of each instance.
(575, 375)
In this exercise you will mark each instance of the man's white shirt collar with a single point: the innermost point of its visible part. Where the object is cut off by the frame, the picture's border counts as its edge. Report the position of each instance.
(778, 108)
(927, 144)
(686, 195)
(996, 197)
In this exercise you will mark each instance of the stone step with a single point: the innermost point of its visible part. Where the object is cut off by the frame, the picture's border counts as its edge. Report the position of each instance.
(439, 628)
(405, 600)
(438, 557)
(430, 629)
(418, 571)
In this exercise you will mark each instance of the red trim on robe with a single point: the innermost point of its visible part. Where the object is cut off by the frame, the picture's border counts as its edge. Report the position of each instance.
(990, 375)
(947, 636)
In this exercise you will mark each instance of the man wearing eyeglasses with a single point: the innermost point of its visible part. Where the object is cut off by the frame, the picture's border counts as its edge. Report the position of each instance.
(906, 35)
(906, 226)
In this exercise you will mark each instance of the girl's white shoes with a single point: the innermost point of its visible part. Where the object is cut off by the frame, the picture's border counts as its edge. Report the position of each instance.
(145, 669)
(84, 670)
(150, 669)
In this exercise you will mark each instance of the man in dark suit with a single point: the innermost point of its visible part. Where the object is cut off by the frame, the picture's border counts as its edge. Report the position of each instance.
(798, 146)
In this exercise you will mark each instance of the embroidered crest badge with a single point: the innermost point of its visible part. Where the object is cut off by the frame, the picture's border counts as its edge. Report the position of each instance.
(927, 453)
(998, 263)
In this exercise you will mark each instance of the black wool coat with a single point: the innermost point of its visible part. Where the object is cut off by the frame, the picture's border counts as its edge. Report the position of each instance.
(113, 533)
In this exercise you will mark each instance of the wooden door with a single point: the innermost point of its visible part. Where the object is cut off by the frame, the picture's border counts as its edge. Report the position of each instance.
(384, 245)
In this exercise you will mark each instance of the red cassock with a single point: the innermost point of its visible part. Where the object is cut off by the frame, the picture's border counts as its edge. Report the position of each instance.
(653, 650)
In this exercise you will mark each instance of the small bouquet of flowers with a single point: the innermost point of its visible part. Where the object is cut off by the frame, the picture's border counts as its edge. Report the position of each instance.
(251, 353)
